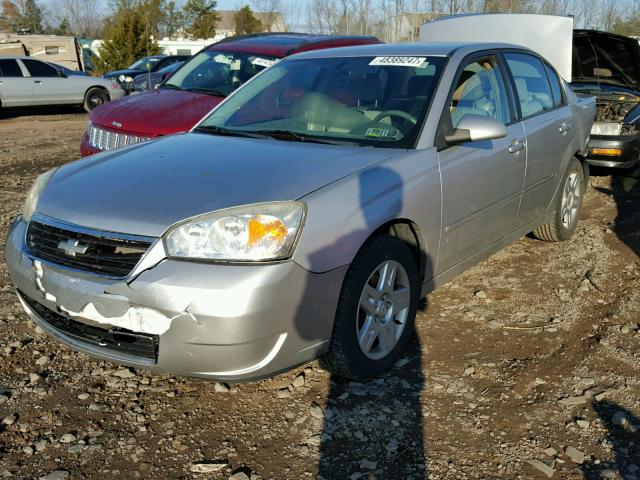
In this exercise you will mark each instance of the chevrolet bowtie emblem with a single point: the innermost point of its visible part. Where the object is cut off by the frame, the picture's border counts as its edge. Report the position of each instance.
(72, 248)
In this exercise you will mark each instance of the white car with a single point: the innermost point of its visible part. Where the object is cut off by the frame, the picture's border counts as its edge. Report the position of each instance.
(26, 82)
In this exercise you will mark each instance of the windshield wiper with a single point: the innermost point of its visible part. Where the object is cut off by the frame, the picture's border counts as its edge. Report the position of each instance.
(300, 137)
(208, 91)
(211, 129)
(170, 86)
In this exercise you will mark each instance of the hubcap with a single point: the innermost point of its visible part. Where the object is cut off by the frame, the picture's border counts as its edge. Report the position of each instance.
(383, 309)
(96, 100)
(570, 200)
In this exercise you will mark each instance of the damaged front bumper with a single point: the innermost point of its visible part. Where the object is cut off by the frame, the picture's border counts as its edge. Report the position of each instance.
(218, 321)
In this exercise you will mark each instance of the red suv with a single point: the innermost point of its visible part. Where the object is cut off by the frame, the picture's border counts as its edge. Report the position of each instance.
(197, 87)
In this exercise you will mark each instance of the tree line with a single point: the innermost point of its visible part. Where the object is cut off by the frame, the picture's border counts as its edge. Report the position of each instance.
(389, 20)
(89, 18)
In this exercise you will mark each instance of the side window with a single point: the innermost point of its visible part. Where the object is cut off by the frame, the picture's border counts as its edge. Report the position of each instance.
(10, 68)
(480, 91)
(39, 69)
(556, 88)
(532, 86)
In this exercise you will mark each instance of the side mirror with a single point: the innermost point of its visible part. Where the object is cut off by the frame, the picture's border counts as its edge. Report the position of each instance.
(473, 128)
(61, 74)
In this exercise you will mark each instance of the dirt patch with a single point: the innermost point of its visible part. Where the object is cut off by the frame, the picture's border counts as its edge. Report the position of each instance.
(528, 363)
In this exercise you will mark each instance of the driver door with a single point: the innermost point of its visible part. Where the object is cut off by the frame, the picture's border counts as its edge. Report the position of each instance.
(482, 181)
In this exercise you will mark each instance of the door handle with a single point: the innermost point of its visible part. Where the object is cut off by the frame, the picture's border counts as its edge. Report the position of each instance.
(37, 81)
(517, 145)
(564, 127)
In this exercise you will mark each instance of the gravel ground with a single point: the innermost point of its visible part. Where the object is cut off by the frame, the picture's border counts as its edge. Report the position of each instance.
(526, 366)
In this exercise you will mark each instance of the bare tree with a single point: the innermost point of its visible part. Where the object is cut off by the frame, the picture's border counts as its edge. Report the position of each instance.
(80, 16)
(609, 14)
(271, 10)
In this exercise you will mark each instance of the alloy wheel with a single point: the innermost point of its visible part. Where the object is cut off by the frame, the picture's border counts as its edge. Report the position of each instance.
(383, 309)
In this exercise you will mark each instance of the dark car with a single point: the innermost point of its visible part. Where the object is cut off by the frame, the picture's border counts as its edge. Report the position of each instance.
(68, 71)
(199, 86)
(151, 80)
(607, 66)
(144, 65)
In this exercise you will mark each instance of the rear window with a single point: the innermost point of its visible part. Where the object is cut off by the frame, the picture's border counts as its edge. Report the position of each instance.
(10, 68)
(532, 86)
(556, 89)
(39, 69)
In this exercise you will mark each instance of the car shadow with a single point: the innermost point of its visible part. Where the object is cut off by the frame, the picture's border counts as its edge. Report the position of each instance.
(25, 112)
(625, 189)
(373, 430)
(623, 438)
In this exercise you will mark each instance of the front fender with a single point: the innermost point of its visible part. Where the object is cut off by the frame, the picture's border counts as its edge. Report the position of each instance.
(343, 215)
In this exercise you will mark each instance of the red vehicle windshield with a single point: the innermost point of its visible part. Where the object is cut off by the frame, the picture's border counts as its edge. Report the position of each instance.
(218, 73)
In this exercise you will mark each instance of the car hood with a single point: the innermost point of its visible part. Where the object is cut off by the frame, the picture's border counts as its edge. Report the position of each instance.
(144, 189)
(159, 112)
(605, 57)
(132, 72)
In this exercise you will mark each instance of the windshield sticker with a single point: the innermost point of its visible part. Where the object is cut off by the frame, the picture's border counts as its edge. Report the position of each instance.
(222, 59)
(381, 132)
(263, 62)
(400, 61)
(235, 65)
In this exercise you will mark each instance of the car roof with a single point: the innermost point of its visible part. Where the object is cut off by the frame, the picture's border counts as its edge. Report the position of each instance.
(282, 44)
(407, 49)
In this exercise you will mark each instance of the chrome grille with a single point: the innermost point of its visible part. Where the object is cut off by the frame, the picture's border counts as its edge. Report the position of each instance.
(105, 140)
(101, 253)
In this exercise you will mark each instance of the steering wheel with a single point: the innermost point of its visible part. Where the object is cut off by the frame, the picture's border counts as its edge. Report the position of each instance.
(396, 113)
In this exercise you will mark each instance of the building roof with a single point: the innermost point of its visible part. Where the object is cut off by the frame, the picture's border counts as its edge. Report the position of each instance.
(227, 21)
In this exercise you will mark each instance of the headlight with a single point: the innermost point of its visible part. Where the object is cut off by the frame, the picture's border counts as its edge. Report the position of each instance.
(34, 194)
(263, 231)
(128, 79)
(121, 78)
(602, 128)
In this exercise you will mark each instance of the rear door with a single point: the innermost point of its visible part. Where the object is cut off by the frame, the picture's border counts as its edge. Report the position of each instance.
(15, 89)
(547, 121)
(482, 180)
(50, 87)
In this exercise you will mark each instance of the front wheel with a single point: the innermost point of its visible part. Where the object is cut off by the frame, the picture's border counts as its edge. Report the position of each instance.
(94, 98)
(376, 310)
(568, 205)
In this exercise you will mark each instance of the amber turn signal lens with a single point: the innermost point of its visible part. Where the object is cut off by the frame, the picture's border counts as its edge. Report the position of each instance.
(611, 152)
(259, 228)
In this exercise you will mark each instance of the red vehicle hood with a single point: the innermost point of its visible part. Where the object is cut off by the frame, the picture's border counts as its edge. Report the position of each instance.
(160, 112)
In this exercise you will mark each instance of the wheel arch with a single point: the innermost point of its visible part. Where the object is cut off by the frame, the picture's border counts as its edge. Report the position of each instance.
(101, 87)
(581, 155)
(409, 232)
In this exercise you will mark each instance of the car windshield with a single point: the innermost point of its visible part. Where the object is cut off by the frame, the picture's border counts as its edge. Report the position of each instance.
(219, 73)
(368, 101)
(146, 63)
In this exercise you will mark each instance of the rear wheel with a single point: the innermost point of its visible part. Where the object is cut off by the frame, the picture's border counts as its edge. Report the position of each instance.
(376, 310)
(568, 205)
(94, 98)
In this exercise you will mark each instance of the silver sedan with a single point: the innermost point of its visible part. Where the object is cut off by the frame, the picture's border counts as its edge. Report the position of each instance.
(27, 82)
(307, 214)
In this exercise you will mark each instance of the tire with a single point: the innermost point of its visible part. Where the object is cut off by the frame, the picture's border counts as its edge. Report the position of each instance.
(94, 98)
(392, 311)
(567, 206)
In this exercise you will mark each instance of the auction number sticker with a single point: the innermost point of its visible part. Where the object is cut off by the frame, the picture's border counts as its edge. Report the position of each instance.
(263, 62)
(400, 61)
